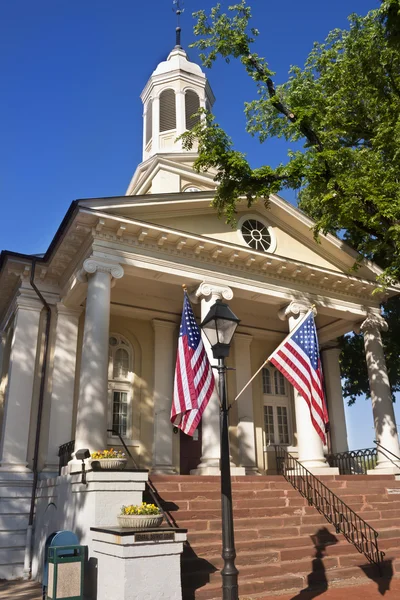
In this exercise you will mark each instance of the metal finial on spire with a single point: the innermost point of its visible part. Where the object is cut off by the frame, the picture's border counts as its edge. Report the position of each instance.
(178, 10)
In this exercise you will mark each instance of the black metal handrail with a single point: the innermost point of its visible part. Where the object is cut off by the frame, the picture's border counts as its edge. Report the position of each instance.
(353, 462)
(356, 531)
(382, 450)
(65, 452)
(150, 488)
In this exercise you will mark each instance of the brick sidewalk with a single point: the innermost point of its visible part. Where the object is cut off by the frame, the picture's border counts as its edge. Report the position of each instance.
(20, 590)
(17, 590)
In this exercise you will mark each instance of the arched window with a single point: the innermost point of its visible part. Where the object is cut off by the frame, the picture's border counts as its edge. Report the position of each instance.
(167, 110)
(149, 121)
(192, 105)
(120, 379)
(276, 408)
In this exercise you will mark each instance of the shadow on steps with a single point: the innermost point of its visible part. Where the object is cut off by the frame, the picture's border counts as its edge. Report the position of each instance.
(196, 572)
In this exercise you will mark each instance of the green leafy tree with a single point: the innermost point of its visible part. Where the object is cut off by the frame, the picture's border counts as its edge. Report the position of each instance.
(343, 105)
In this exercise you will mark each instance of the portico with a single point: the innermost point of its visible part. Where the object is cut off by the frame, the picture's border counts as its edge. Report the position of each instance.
(111, 282)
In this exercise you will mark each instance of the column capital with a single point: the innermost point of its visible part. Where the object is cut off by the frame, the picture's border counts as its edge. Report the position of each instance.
(244, 338)
(93, 265)
(216, 291)
(161, 324)
(28, 300)
(69, 311)
(374, 323)
(295, 309)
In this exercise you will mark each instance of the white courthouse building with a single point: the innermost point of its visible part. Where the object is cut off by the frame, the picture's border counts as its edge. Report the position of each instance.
(92, 345)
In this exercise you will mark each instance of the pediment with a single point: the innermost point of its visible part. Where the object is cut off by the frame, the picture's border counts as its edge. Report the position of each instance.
(163, 174)
(291, 231)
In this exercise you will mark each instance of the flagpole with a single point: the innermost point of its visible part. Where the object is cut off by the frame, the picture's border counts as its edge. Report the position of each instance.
(267, 361)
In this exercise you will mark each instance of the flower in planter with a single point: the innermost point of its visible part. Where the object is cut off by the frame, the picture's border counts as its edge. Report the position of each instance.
(108, 453)
(140, 509)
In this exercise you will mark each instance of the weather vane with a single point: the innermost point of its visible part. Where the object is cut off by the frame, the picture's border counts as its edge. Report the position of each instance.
(178, 10)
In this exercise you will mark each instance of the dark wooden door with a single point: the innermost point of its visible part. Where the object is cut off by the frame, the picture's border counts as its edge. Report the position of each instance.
(190, 454)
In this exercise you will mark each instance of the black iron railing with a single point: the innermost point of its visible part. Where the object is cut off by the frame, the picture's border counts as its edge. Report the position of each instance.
(343, 518)
(65, 454)
(150, 488)
(353, 462)
(393, 458)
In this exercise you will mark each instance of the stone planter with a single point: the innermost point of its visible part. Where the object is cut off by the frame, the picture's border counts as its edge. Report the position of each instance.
(111, 463)
(140, 521)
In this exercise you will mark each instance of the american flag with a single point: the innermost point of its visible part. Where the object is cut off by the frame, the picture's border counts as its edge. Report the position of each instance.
(297, 358)
(194, 379)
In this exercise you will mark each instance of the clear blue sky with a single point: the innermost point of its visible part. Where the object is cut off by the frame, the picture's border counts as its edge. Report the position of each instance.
(71, 127)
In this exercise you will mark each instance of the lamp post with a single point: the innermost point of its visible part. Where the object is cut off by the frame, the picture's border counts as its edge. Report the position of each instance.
(219, 325)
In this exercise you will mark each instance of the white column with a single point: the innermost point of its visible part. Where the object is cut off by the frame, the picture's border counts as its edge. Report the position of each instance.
(381, 396)
(246, 434)
(309, 445)
(209, 465)
(334, 397)
(155, 144)
(21, 378)
(180, 113)
(91, 420)
(63, 382)
(164, 362)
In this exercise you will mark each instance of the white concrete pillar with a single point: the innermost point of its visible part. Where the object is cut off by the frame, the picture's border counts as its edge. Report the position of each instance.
(211, 452)
(381, 396)
(63, 382)
(309, 445)
(246, 434)
(164, 365)
(91, 420)
(180, 113)
(155, 144)
(334, 397)
(21, 378)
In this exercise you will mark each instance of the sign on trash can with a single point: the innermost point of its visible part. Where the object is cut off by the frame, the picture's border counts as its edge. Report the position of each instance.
(65, 572)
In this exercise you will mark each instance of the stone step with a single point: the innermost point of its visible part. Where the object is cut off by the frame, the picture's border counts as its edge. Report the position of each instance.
(15, 505)
(12, 539)
(13, 522)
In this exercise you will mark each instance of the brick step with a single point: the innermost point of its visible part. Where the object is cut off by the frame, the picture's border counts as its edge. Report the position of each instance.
(200, 494)
(284, 516)
(248, 486)
(253, 503)
(251, 582)
(300, 549)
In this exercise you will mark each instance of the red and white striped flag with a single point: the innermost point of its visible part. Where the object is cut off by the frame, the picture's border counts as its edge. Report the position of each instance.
(297, 358)
(194, 379)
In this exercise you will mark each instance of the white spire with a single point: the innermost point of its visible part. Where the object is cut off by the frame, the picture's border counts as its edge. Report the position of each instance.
(175, 91)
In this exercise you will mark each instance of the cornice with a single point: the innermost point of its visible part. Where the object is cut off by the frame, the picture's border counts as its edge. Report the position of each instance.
(166, 242)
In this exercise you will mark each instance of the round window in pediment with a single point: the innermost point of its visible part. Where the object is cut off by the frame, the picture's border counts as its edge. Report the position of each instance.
(256, 235)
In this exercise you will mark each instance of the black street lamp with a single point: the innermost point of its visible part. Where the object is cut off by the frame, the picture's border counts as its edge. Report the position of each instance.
(219, 325)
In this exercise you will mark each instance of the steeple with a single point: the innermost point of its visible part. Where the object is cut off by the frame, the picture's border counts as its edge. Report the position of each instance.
(174, 93)
(178, 10)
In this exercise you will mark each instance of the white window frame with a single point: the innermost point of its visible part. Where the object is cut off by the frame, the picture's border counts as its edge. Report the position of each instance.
(276, 400)
(120, 385)
(256, 217)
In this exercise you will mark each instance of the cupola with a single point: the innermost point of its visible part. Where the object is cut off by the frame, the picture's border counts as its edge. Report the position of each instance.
(174, 93)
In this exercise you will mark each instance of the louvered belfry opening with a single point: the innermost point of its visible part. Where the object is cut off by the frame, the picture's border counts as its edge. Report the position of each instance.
(149, 120)
(167, 110)
(192, 105)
